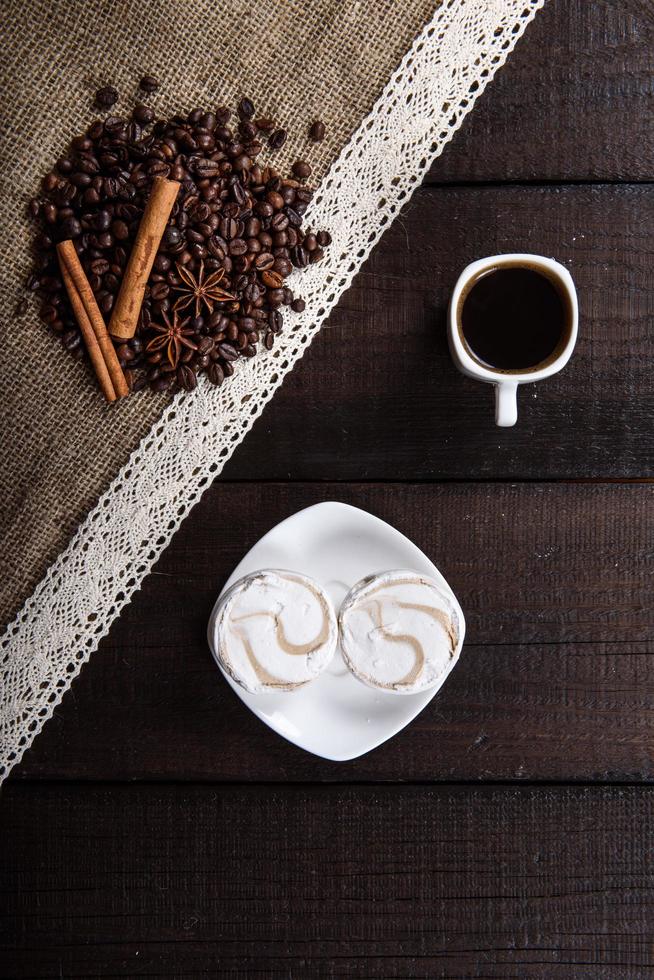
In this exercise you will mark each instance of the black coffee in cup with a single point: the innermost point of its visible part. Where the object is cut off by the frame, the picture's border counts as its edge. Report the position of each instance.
(514, 318)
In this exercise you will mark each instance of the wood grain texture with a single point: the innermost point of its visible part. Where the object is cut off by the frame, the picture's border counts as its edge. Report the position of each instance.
(328, 883)
(573, 102)
(377, 395)
(198, 879)
(555, 680)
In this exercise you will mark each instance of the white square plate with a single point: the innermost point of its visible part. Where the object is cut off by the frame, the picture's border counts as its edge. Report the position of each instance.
(336, 716)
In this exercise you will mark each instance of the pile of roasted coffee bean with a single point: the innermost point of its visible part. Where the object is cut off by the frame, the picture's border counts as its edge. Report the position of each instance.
(233, 215)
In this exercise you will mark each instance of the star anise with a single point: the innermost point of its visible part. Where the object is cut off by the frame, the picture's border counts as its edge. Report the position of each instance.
(173, 335)
(201, 289)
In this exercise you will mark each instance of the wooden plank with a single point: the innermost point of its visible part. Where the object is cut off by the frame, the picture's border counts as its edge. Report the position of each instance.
(573, 102)
(377, 395)
(555, 681)
(569, 712)
(328, 883)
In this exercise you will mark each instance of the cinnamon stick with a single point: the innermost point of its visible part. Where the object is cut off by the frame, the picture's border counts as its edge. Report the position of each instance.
(87, 313)
(126, 311)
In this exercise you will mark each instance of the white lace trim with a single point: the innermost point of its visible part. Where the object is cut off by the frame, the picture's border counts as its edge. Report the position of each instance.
(435, 86)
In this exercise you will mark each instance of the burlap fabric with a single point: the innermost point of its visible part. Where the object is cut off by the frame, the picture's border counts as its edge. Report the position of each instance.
(324, 59)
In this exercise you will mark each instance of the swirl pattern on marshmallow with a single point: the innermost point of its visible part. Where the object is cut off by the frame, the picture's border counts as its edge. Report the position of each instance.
(275, 631)
(399, 632)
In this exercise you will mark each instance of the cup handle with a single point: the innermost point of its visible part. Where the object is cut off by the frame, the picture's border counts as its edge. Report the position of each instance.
(506, 403)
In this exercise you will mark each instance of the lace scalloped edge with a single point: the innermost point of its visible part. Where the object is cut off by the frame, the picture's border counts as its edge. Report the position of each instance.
(436, 84)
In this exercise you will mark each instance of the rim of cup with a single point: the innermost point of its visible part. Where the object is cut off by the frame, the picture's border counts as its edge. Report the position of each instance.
(460, 350)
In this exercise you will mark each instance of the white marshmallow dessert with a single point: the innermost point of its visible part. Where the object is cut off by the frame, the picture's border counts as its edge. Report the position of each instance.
(275, 630)
(399, 632)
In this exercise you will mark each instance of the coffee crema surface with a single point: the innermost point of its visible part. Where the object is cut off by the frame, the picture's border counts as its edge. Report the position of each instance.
(513, 318)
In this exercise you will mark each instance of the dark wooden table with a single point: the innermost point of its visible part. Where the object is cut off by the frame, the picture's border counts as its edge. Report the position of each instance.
(158, 829)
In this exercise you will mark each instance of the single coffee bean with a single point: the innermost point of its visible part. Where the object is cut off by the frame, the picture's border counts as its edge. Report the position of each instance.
(298, 305)
(115, 126)
(301, 169)
(80, 180)
(215, 373)
(106, 302)
(101, 221)
(143, 114)
(95, 130)
(317, 131)
(275, 321)
(227, 352)
(277, 139)
(264, 261)
(106, 97)
(186, 377)
(149, 83)
(171, 236)
(49, 213)
(99, 267)
(275, 200)
(247, 130)
(120, 230)
(228, 228)
(299, 257)
(49, 182)
(205, 346)
(324, 238)
(88, 165)
(238, 246)
(208, 121)
(279, 221)
(125, 352)
(264, 209)
(159, 291)
(283, 266)
(246, 109)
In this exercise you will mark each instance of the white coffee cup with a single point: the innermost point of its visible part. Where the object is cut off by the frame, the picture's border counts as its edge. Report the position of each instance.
(506, 381)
